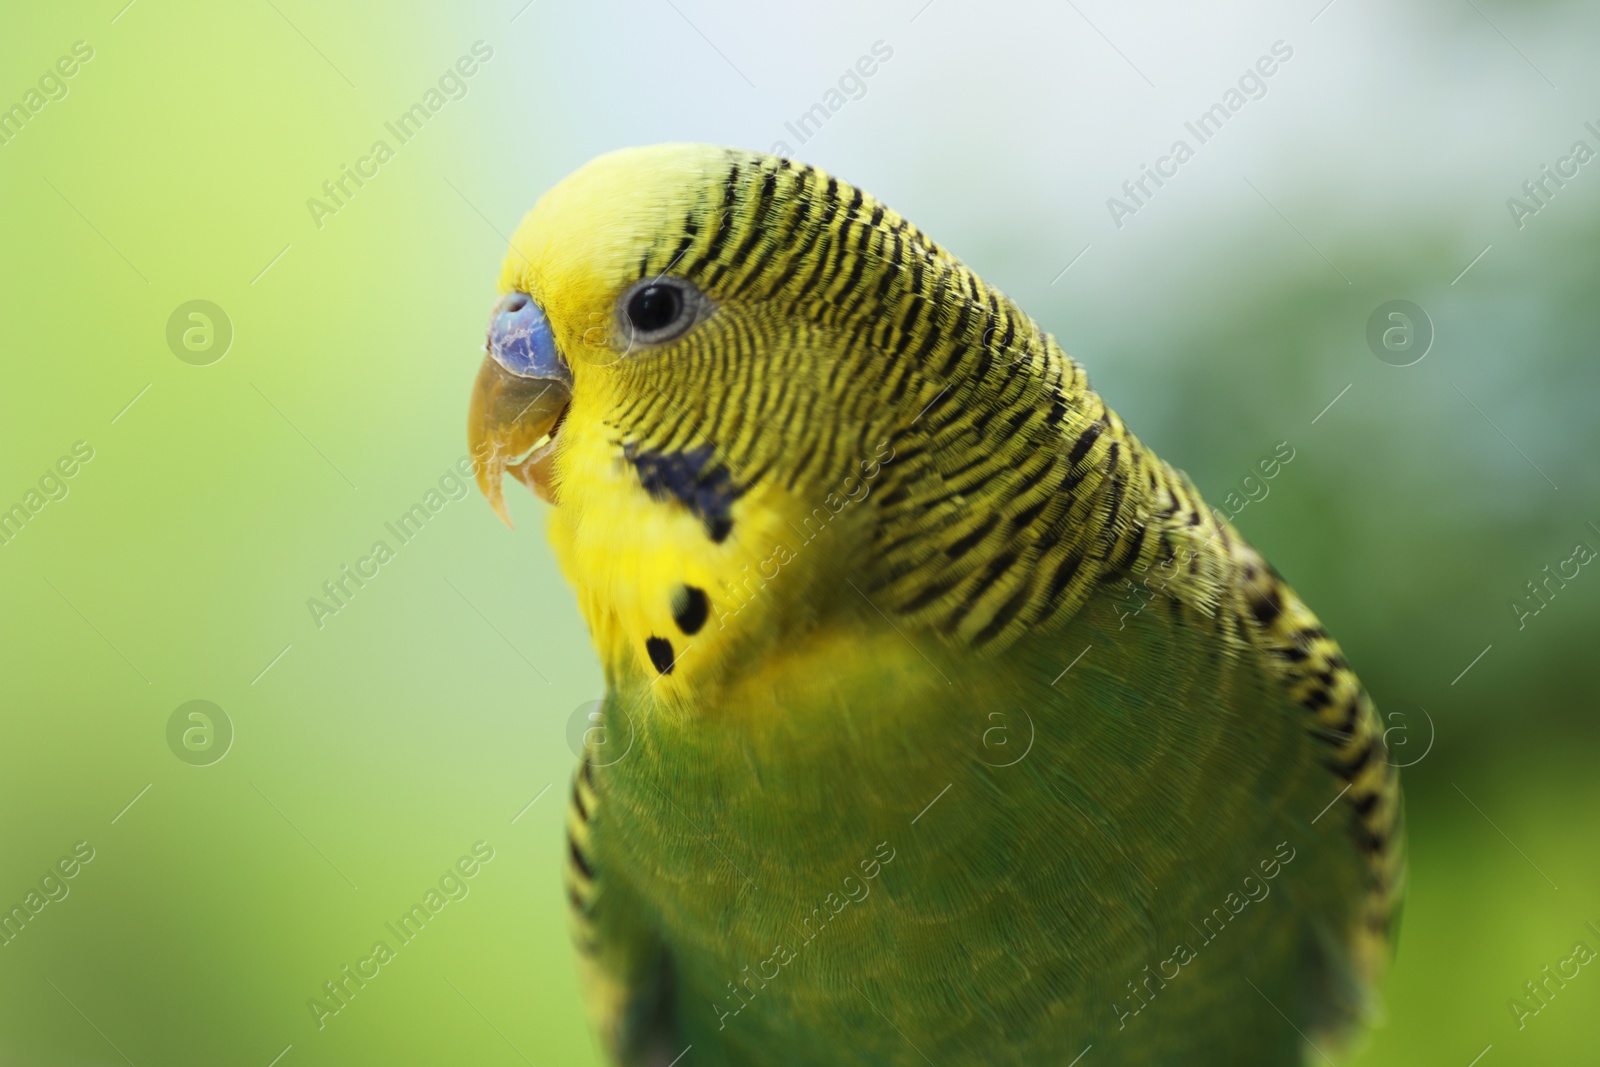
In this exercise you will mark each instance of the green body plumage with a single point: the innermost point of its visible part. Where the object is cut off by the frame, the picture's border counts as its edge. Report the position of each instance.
(946, 723)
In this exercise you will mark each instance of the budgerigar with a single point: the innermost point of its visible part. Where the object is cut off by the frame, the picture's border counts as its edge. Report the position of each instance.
(944, 723)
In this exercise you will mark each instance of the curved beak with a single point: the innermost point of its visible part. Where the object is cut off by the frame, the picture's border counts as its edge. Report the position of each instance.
(511, 426)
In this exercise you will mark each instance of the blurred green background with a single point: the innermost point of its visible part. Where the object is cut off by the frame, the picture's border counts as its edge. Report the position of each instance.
(371, 752)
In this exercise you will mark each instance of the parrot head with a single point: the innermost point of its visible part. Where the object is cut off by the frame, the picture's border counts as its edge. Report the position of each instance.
(706, 359)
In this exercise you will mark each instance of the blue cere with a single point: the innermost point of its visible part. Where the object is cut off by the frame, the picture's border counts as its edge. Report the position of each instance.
(520, 339)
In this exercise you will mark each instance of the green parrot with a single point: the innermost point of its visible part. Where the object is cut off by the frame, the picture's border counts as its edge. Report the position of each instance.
(944, 722)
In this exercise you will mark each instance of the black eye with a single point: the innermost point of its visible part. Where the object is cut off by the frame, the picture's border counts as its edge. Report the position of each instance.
(654, 308)
(660, 309)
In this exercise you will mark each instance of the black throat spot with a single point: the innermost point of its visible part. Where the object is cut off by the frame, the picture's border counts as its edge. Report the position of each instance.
(690, 478)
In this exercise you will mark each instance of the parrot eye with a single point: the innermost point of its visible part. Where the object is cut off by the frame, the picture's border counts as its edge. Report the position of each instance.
(660, 309)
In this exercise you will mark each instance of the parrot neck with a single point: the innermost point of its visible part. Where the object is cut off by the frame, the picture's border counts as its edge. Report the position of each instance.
(1017, 495)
